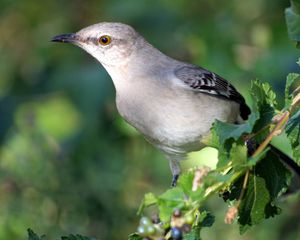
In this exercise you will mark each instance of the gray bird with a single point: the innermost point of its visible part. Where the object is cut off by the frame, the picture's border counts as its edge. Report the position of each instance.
(172, 103)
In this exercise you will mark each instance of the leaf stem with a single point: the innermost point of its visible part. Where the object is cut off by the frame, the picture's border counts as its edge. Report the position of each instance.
(243, 189)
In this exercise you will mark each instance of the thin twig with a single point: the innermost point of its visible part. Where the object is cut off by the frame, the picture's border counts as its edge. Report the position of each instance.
(278, 127)
(245, 183)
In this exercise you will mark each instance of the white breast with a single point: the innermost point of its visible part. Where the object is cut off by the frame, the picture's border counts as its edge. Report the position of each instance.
(172, 118)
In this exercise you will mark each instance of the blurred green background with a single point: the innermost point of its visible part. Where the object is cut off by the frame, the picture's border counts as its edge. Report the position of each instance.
(68, 162)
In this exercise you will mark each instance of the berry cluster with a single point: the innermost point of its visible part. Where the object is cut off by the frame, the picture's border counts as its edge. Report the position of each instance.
(154, 230)
(150, 229)
(180, 224)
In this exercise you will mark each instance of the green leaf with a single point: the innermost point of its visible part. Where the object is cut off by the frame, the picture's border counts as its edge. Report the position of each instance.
(264, 103)
(168, 201)
(194, 234)
(149, 199)
(215, 177)
(275, 174)
(185, 182)
(293, 133)
(252, 208)
(33, 236)
(238, 155)
(226, 134)
(175, 194)
(206, 219)
(291, 78)
(292, 19)
(223, 135)
(76, 237)
(263, 94)
(270, 179)
(134, 236)
(253, 160)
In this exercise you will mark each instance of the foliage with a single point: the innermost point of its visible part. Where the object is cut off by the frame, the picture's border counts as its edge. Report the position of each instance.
(249, 175)
(33, 236)
(292, 16)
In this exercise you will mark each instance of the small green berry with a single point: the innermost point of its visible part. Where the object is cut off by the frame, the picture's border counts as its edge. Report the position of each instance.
(142, 231)
(189, 219)
(145, 221)
(150, 230)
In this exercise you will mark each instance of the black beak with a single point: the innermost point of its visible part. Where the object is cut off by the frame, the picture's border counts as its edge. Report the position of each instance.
(66, 38)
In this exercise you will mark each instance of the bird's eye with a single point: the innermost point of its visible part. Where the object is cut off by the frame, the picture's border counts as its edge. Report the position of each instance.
(104, 40)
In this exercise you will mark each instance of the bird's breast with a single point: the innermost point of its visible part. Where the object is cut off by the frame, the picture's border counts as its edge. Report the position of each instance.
(171, 118)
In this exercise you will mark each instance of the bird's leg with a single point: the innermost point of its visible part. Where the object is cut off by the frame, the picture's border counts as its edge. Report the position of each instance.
(175, 168)
(174, 180)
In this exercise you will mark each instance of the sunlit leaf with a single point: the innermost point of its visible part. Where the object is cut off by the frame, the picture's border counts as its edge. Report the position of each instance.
(149, 199)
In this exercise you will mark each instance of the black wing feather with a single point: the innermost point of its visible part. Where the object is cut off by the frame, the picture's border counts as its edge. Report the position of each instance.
(208, 82)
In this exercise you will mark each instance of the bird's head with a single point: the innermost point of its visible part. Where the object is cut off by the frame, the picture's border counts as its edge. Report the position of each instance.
(110, 43)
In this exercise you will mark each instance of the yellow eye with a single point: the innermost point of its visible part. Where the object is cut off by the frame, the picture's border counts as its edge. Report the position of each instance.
(104, 40)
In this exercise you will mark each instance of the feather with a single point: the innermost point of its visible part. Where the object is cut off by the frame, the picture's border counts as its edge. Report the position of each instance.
(202, 80)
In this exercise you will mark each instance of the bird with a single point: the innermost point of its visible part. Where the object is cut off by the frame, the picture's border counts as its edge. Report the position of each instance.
(173, 104)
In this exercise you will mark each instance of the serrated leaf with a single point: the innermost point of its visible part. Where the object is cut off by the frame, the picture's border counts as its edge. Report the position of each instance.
(290, 79)
(134, 236)
(264, 103)
(293, 133)
(263, 93)
(33, 236)
(226, 134)
(270, 179)
(149, 199)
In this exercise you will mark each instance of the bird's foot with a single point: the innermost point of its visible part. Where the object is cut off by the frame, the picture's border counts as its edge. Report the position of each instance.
(174, 180)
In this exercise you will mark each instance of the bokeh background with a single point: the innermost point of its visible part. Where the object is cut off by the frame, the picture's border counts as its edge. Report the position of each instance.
(68, 162)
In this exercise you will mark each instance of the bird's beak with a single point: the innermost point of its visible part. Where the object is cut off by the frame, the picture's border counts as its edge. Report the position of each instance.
(66, 38)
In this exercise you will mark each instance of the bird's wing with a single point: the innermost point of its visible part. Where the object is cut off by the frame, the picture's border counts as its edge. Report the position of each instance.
(204, 81)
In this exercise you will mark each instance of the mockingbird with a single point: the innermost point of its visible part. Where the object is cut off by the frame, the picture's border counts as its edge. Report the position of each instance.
(172, 103)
